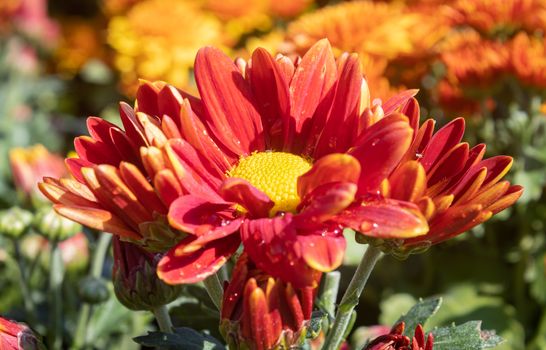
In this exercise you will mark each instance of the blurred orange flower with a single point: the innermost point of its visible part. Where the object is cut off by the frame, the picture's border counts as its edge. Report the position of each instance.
(390, 32)
(529, 60)
(473, 60)
(493, 16)
(80, 41)
(158, 40)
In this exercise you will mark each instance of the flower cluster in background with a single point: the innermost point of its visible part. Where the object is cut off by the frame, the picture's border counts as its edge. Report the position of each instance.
(253, 168)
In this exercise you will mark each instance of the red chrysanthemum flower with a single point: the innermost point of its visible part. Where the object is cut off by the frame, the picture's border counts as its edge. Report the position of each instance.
(278, 155)
(454, 187)
(261, 312)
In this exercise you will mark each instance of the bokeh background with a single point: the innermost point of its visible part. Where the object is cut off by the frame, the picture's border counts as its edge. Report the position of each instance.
(484, 60)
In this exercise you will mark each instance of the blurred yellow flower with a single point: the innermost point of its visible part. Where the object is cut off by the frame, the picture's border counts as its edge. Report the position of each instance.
(529, 60)
(158, 40)
(493, 16)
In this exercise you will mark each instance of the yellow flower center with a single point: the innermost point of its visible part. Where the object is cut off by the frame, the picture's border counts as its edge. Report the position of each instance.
(276, 174)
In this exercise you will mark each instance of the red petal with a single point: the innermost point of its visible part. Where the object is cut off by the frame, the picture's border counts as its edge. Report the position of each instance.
(75, 166)
(195, 215)
(398, 101)
(408, 182)
(325, 202)
(449, 165)
(450, 223)
(240, 191)
(380, 150)
(146, 96)
(323, 250)
(387, 218)
(231, 114)
(132, 176)
(273, 246)
(442, 142)
(132, 127)
(194, 131)
(198, 265)
(95, 151)
(341, 126)
(313, 78)
(271, 92)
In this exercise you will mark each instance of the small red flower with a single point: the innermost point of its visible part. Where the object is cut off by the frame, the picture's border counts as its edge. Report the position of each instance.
(396, 340)
(262, 312)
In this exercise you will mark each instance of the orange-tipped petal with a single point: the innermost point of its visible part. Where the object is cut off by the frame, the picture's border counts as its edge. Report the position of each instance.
(385, 219)
(408, 182)
(97, 219)
(231, 112)
(323, 251)
(442, 142)
(331, 168)
(343, 110)
(270, 89)
(59, 195)
(509, 198)
(380, 150)
(325, 202)
(314, 77)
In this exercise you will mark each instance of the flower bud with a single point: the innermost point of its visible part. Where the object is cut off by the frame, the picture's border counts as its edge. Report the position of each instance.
(396, 340)
(15, 336)
(54, 226)
(135, 279)
(14, 222)
(261, 312)
(93, 290)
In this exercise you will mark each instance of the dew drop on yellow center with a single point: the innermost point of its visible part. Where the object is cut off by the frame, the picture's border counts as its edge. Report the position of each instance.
(276, 174)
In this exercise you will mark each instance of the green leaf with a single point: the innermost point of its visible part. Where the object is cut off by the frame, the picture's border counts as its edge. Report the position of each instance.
(419, 314)
(182, 338)
(468, 336)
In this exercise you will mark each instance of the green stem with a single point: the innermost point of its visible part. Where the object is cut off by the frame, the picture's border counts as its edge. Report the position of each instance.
(163, 319)
(215, 289)
(56, 276)
(328, 296)
(80, 338)
(24, 279)
(351, 297)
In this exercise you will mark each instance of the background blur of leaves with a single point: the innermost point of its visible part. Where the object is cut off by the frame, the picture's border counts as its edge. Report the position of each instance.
(485, 60)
